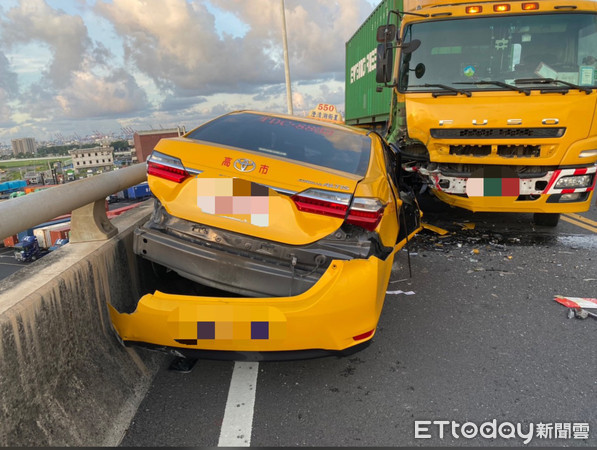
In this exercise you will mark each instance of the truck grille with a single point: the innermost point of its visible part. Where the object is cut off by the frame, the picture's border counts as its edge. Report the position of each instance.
(497, 133)
(470, 150)
(519, 151)
(504, 151)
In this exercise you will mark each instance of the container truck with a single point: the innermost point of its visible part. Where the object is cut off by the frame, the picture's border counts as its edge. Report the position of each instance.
(139, 192)
(8, 187)
(489, 104)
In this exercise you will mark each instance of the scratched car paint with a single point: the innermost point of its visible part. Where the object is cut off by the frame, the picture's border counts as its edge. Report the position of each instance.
(296, 221)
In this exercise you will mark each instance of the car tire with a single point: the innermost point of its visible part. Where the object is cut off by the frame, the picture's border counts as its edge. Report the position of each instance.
(546, 219)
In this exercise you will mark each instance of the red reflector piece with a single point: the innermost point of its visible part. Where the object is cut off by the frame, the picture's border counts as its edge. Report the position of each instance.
(501, 8)
(474, 9)
(530, 6)
(360, 337)
(366, 212)
(167, 172)
(366, 219)
(318, 206)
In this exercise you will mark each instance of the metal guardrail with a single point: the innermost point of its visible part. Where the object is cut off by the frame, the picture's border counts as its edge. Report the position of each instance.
(84, 199)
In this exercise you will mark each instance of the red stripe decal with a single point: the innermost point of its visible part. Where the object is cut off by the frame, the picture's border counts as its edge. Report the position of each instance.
(555, 176)
(568, 191)
(566, 302)
(592, 187)
(580, 171)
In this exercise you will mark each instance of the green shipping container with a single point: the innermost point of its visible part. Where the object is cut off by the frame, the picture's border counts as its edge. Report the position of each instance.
(362, 104)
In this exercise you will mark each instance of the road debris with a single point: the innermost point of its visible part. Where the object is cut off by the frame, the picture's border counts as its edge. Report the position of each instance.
(576, 306)
(400, 292)
(465, 225)
(435, 229)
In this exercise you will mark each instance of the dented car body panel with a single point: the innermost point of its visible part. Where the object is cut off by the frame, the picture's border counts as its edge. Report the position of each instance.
(302, 252)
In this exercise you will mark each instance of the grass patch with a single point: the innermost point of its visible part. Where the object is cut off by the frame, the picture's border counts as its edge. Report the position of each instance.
(32, 162)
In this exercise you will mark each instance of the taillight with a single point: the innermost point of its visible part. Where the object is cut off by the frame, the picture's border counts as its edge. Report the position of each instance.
(327, 203)
(363, 212)
(165, 166)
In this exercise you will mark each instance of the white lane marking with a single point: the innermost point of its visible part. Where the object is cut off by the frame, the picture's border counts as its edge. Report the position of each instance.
(238, 416)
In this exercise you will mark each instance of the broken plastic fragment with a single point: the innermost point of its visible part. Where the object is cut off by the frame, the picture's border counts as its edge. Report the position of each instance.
(400, 292)
(466, 225)
(576, 302)
(435, 229)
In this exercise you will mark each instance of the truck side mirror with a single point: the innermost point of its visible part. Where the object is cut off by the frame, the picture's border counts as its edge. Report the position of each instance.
(419, 70)
(386, 33)
(384, 63)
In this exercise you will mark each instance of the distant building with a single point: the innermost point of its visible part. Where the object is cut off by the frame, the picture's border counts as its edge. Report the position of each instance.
(125, 157)
(96, 159)
(23, 145)
(145, 141)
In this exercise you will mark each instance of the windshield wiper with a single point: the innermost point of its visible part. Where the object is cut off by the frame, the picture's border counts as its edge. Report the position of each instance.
(497, 83)
(451, 90)
(586, 90)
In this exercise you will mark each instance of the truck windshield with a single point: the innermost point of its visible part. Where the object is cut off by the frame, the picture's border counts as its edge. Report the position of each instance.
(493, 53)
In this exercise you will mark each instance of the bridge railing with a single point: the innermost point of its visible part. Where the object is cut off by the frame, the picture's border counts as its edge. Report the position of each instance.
(84, 199)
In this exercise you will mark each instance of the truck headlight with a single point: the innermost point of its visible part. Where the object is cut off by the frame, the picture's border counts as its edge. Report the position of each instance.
(571, 197)
(578, 181)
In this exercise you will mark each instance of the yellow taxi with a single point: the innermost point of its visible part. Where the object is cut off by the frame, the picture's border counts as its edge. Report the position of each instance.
(293, 222)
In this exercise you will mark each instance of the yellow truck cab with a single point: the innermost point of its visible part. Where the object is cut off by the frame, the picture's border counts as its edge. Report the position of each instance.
(493, 103)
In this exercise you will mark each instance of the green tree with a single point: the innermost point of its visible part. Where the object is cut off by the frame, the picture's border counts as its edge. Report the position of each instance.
(119, 145)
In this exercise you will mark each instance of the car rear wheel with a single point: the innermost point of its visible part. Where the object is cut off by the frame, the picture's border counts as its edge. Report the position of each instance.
(546, 219)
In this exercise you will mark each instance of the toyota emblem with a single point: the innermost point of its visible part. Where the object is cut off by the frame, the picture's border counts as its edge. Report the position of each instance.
(244, 165)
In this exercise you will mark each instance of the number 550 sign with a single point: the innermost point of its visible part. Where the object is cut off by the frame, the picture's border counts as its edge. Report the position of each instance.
(323, 111)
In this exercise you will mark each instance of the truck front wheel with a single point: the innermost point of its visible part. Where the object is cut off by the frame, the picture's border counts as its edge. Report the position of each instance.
(546, 219)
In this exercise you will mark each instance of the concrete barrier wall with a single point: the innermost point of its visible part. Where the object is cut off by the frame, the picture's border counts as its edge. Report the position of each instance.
(65, 380)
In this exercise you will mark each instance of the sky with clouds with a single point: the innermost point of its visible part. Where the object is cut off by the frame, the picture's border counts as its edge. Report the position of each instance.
(110, 66)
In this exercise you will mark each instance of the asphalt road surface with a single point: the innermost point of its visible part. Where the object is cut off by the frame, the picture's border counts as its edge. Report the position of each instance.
(8, 263)
(479, 346)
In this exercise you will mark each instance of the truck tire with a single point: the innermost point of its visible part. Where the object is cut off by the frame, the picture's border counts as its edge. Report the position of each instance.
(546, 219)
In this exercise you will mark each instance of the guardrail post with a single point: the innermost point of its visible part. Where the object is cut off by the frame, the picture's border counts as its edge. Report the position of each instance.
(90, 223)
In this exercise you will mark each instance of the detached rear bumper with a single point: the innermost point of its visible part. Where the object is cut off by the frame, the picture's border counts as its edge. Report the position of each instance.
(340, 311)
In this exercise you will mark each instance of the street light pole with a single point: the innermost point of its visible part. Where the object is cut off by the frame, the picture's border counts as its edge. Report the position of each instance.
(286, 67)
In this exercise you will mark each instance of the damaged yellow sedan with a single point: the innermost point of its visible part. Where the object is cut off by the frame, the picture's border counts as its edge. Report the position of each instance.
(294, 222)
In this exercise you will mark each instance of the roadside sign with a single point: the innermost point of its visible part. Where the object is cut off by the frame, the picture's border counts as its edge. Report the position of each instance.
(326, 112)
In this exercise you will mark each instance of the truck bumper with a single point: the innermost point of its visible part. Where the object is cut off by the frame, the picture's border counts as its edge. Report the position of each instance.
(527, 195)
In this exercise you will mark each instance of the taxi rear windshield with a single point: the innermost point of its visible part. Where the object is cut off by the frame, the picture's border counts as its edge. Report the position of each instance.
(300, 141)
